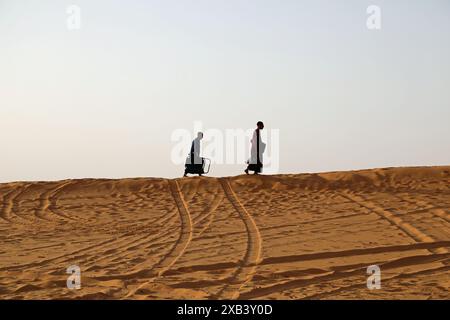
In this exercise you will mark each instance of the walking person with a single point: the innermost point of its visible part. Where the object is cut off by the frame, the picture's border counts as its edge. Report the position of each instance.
(194, 163)
(255, 163)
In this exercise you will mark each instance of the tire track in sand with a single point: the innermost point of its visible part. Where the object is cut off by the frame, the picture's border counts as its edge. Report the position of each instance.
(113, 242)
(44, 211)
(407, 228)
(325, 295)
(169, 259)
(6, 208)
(330, 275)
(9, 211)
(6, 214)
(209, 213)
(428, 207)
(74, 255)
(119, 250)
(16, 204)
(53, 201)
(247, 269)
(186, 230)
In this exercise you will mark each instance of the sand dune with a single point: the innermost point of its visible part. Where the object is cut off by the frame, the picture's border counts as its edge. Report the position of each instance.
(305, 236)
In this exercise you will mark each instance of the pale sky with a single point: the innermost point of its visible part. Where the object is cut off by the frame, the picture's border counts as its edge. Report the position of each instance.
(104, 100)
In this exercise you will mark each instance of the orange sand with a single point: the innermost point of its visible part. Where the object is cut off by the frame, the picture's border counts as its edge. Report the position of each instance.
(305, 236)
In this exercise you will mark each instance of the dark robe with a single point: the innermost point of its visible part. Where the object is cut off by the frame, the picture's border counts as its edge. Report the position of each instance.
(195, 152)
(194, 163)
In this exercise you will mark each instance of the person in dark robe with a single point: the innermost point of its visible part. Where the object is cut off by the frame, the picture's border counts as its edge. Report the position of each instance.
(255, 163)
(194, 156)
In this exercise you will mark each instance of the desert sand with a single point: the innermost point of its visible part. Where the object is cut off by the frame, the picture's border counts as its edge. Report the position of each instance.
(302, 236)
